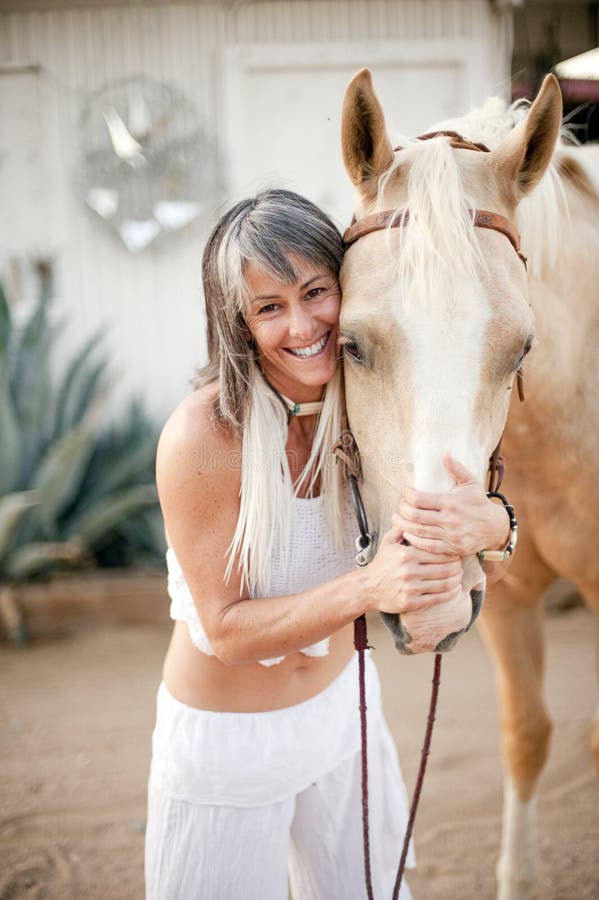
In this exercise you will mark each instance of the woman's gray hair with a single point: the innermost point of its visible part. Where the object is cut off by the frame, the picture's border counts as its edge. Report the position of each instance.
(268, 230)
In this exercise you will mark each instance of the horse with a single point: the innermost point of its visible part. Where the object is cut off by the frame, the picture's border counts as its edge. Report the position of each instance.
(438, 315)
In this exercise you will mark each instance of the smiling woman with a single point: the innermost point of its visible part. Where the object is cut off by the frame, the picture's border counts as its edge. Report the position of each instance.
(257, 736)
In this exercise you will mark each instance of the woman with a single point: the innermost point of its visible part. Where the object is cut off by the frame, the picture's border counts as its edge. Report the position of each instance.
(255, 771)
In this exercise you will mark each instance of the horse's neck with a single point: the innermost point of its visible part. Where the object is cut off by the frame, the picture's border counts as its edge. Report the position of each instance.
(561, 373)
(560, 233)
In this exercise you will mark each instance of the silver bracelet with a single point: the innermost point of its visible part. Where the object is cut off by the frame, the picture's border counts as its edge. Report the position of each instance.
(501, 555)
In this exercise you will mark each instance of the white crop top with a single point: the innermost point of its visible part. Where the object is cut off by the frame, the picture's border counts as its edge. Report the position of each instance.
(311, 560)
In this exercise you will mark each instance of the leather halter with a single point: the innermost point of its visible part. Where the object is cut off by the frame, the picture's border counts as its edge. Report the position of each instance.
(395, 218)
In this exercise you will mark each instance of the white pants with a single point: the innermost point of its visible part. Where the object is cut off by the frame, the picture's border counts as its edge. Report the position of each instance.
(310, 839)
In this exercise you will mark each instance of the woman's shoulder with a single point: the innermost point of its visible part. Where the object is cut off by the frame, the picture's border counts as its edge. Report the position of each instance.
(194, 419)
(193, 443)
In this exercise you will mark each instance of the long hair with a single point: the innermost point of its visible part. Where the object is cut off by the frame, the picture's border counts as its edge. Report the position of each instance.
(270, 230)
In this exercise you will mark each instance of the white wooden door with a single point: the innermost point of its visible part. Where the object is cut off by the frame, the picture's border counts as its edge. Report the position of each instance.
(282, 107)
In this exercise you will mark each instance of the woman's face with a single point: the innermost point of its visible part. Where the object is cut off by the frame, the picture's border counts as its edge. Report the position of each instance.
(294, 327)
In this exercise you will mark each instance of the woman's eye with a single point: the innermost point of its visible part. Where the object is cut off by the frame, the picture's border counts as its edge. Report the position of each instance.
(314, 292)
(270, 307)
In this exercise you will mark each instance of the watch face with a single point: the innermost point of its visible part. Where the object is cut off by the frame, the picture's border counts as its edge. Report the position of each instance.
(148, 167)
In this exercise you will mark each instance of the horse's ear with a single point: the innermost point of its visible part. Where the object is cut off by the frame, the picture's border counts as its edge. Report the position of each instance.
(523, 156)
(367, 151)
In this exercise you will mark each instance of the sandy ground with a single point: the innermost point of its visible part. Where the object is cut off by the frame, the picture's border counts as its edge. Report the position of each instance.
(76, 717)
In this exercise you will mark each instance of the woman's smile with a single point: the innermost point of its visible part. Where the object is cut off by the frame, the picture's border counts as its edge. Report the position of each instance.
(312, 350)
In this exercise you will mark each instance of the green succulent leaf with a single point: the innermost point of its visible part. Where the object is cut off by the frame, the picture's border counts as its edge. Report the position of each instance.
(12, 509)
(31, 388)
(40, 556)
(107, 514)
(145, 533)
(125, 468)
(80, 386)
(31, 381)
(10, 440)
(5, 328)
(59, 475)
(73, 384)
(92, 394)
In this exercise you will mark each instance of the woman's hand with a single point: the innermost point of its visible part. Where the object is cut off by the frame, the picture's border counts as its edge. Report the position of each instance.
(406, 579)
(457, 523)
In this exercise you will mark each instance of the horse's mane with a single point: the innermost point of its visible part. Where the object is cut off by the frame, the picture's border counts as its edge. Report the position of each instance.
(541, 214)
(443, 244)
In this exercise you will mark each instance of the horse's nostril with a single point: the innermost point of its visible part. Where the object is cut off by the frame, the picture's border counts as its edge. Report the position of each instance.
(401, 637)
(449, 642)
(477, 595)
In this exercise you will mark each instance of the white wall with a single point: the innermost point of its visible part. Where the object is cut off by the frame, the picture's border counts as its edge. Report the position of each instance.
(419, 82)
(267, 79)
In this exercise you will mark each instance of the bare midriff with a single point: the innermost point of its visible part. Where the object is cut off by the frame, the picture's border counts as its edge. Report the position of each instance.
(204, 682)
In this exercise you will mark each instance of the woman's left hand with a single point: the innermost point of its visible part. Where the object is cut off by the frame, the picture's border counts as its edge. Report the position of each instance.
(460, 522)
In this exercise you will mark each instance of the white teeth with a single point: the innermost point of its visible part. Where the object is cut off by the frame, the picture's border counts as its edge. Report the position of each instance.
(312, 350)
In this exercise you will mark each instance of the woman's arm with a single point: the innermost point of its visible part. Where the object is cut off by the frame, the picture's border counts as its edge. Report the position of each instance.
(461, 521)
(198, 477)
(400, 579)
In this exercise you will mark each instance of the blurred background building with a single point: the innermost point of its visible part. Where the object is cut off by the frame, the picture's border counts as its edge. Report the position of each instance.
(560, 36)
(127, 128)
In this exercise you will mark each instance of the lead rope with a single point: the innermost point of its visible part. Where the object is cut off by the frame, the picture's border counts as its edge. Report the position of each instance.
(361, 644)
(424, 754)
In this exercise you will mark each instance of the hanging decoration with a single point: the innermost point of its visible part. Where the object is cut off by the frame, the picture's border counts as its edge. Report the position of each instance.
(148, 166)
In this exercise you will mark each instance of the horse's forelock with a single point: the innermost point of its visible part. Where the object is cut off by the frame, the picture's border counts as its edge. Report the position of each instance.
(438, 244)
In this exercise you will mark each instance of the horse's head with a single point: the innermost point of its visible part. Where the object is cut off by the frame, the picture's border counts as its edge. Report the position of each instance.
(435, 318)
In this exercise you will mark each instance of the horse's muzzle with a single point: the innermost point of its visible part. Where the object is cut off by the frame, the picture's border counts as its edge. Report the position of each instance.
(403, 640)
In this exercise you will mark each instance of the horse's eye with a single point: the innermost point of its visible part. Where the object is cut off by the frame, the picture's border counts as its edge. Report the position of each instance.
(525, 351)
(352, 349)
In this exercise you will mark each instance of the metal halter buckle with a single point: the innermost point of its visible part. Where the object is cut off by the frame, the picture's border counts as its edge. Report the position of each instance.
(366, 547)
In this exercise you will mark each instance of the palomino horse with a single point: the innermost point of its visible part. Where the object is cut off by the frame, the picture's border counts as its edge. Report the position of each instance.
(435, 323)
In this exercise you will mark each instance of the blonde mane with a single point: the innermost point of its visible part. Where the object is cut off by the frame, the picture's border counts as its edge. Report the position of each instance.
(541, 215)
(439, 246)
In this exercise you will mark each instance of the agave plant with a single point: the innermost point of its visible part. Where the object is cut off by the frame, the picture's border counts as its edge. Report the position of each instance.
(70, 494)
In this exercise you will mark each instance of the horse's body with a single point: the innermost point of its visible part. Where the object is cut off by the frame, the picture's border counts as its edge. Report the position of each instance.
(551, 445)
(436, 318)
